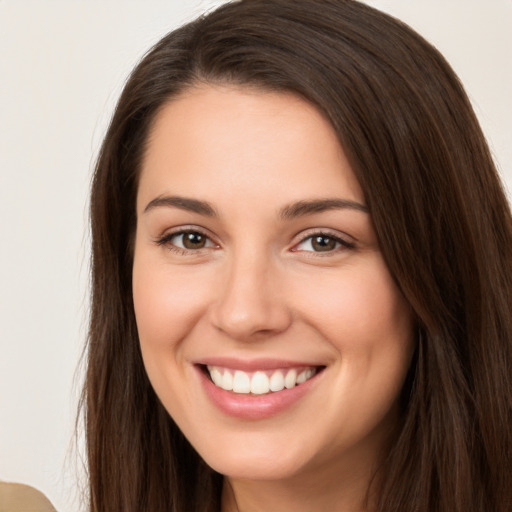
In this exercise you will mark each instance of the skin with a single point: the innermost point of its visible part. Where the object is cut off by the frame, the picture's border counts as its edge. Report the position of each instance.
(260, 288)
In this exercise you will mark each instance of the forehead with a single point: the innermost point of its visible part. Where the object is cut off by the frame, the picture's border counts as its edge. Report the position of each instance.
(246, 141)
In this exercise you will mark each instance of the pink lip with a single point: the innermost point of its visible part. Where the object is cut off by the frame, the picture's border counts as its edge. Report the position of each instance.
(251, 407)
(254, 364)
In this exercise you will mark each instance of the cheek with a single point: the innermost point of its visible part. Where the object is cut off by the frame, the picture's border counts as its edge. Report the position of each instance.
(363, 316)
(167, 304)
(357, 308)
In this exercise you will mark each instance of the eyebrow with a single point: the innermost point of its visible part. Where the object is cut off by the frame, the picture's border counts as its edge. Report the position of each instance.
(302, 208)
(291, 211)
(183, 203)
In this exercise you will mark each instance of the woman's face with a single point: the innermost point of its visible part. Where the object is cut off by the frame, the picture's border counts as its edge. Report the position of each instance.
(257, 265)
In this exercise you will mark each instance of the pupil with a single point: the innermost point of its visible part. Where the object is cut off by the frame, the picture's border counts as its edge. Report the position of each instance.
(323, 243)
(193, 240)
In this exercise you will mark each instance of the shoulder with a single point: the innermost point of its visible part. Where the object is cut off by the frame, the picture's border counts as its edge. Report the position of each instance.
(23, 498)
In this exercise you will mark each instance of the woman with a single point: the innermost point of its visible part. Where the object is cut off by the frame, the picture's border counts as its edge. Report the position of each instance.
(301, 283)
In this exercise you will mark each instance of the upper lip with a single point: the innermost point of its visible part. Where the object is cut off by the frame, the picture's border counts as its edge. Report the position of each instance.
(250, 365)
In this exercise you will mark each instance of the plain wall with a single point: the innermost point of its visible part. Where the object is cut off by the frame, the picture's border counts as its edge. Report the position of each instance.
(62, 66)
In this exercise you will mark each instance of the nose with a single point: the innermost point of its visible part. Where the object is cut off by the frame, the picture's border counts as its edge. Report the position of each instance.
(250, 303)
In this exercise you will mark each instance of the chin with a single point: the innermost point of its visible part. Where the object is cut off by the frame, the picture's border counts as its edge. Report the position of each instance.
(256, 467)
(258, 456)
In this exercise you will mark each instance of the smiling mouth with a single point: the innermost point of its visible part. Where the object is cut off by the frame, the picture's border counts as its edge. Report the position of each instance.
(260, 382)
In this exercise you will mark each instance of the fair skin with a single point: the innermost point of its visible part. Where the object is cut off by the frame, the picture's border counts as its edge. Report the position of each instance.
(255, 254)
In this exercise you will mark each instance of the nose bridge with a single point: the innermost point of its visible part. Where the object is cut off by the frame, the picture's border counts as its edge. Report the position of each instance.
(250, 302)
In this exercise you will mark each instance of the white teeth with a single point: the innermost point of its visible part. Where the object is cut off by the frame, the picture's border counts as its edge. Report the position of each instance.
(291, 379)
(277, 381)
(216, 376)
(260, 382)
(241, 382)
(227, 381)
(302, 377)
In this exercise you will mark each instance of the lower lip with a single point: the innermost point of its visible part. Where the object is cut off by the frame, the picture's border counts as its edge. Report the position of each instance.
(255, 407)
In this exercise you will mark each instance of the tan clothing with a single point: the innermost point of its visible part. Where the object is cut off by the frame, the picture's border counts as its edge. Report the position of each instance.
(23, 498)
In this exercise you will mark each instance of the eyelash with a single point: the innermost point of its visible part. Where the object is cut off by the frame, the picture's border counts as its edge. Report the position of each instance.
(342, 243)
(166, 241)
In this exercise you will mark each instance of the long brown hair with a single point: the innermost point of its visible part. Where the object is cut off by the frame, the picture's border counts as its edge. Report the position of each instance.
(440, 214)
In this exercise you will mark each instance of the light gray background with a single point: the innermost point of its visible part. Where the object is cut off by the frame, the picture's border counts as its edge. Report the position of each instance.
(62, 66)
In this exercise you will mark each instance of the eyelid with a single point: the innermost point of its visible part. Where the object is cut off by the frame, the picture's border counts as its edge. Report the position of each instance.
(346, 241)
(165, 238)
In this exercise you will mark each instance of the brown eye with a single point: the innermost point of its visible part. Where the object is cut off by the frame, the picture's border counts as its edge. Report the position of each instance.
(186, 241)
(193, 240)
(321, 243)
